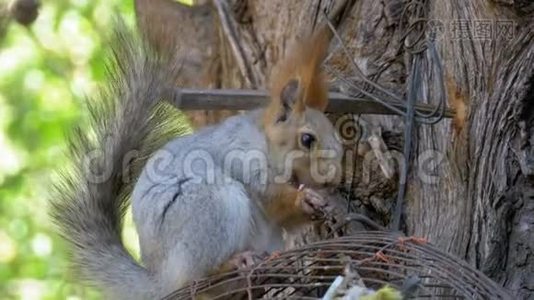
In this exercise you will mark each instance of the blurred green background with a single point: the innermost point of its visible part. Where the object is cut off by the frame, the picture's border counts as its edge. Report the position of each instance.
(45, 72)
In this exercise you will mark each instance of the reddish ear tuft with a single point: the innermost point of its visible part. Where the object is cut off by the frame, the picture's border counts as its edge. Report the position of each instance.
(304, 63)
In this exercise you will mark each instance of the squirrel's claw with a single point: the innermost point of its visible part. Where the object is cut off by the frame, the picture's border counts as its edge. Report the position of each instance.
(312, 203)
(247, 260)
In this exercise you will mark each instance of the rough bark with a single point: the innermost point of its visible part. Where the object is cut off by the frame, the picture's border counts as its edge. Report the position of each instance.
(482, 195)
(195, 32)
(471, 178)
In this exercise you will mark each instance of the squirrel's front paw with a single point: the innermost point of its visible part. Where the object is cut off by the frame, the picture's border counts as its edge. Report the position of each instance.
(312, 203)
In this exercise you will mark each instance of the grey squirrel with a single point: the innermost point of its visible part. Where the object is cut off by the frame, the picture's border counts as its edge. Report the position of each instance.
(206, 202)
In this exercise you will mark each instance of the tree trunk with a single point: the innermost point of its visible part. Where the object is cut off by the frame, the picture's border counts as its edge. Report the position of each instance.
(194, 31)
(470, 189)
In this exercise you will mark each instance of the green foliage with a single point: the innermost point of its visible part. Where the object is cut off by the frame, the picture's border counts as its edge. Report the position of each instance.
(45, 72)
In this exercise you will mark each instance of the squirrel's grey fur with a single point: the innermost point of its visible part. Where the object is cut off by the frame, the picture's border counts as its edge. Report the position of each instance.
(172, 205)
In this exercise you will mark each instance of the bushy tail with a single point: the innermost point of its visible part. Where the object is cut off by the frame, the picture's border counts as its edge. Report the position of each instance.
(90, 200)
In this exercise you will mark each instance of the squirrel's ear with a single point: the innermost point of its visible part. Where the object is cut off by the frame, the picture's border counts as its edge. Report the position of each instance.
(297, 81)
(291, 98)
(288, 100)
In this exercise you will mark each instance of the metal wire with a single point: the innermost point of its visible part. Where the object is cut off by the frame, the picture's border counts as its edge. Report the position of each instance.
(421, 117)
(408, 131)
(379, 258)
(418, 48)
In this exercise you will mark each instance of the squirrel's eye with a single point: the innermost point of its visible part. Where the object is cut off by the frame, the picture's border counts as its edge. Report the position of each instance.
(307, 140)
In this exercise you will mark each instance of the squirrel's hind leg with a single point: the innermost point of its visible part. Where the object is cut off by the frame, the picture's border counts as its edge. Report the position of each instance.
(204, 227)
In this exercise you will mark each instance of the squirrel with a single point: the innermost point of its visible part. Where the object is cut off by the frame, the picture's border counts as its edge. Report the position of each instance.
(205, 202)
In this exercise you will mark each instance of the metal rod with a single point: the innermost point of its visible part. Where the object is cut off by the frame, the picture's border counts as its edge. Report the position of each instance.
(230, 99)
(408, 131)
